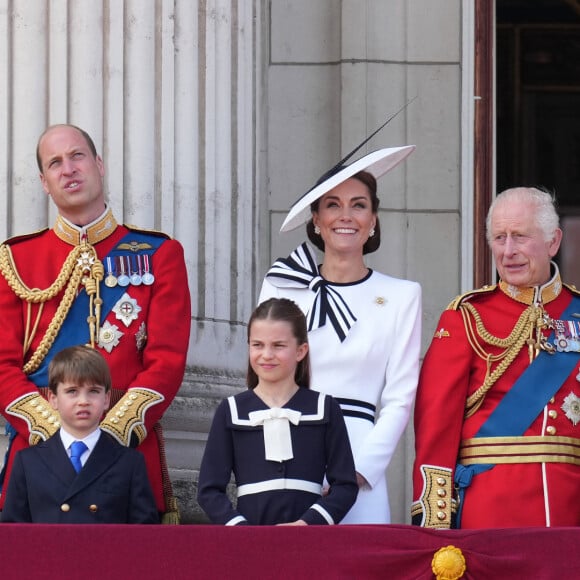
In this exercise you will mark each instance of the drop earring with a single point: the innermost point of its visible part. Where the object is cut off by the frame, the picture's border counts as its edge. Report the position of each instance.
(317, 230)
(372, 232)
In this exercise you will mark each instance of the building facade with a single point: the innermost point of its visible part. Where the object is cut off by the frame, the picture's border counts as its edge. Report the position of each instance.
(213, 116)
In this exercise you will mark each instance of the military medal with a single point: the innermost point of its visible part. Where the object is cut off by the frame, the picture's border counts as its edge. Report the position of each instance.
(109, 336)
(123, 278)
(141, 337)
(147, 277)
(135, 274)
(110, 280)
(567, 335)
(571, 408)
(126, 309)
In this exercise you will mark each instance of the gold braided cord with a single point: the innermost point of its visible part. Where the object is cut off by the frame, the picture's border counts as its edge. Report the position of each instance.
(521, 334)
(81, 266)
(35, 295)
(55, 324)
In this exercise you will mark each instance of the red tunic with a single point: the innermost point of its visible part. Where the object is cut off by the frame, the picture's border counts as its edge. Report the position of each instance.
(157, 364)
(510, 494)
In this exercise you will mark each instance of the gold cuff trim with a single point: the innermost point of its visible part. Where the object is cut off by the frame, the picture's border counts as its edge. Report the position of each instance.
(43, 421)
(128, 415)
(436, 501)
(498, 450)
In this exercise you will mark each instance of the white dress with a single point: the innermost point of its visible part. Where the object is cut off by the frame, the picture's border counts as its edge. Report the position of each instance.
(377, 364)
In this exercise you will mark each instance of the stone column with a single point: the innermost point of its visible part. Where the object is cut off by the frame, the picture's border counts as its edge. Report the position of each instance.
(168, 89)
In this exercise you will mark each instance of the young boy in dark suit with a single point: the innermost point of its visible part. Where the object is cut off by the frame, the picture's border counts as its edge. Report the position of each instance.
(109, 482)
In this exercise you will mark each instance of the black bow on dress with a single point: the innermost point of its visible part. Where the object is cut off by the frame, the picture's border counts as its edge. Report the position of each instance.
(299, 270)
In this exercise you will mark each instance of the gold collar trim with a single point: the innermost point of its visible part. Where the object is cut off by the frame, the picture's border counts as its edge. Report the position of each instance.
(535, 294)
(92, 233)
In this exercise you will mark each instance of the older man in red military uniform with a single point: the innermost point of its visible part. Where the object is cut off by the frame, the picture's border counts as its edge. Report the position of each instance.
(497, 418)
(90, 280)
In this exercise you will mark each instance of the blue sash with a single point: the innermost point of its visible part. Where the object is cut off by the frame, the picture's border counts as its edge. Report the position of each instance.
(72, 332)
(523, 402)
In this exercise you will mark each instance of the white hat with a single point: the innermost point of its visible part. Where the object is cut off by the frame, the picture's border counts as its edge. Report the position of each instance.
(377, 163)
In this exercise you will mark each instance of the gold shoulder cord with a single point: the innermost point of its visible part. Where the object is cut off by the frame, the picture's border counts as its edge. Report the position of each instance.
(82, 266)
(531, 322)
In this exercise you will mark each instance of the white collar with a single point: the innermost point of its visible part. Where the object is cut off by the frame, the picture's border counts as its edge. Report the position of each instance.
(90, 440)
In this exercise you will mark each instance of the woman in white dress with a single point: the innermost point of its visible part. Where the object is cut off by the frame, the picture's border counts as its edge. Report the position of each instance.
(364, 326)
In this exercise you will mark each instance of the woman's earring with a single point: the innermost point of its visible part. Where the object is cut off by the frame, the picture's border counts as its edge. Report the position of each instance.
(317, 230)
(372, 232)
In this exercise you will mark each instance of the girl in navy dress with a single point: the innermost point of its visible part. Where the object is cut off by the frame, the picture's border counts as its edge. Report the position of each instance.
(279, 438)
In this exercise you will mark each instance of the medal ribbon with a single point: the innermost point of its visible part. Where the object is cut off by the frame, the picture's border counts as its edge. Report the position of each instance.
(567, 335)
(300, 270)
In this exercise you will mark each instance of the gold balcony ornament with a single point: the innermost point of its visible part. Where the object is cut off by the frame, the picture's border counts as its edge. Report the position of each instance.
(448, 563)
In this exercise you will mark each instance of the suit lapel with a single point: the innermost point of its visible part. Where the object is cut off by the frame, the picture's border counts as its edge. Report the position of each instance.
(56, 460)
(105, 453)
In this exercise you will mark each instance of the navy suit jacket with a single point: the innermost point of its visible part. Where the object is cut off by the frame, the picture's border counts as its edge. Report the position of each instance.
(111, 488)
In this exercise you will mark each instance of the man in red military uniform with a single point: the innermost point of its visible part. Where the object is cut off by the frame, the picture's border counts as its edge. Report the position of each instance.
(497, 416)
(90, 280)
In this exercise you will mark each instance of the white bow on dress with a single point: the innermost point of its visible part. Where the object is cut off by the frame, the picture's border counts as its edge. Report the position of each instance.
(277, 439)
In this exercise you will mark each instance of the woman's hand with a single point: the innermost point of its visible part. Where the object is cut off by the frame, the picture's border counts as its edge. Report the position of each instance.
(361, 481)
(296, 523)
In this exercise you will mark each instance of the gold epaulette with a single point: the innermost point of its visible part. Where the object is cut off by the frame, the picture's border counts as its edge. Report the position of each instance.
(456, 302)
(572, 289)
(147, 231)
(22, 237)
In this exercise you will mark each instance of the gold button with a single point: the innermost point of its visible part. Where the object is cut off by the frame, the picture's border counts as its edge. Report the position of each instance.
(65, 507)
(441, 481)
(441, 493)
(552, 413)
(93, 508)
(551, 430)
(441, 504)
(552, 400)
(440, 516)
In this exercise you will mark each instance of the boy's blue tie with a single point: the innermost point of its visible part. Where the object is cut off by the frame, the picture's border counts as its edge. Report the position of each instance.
(77, 448)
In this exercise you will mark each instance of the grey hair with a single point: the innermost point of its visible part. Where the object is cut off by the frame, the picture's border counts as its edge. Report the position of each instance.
(546, 215)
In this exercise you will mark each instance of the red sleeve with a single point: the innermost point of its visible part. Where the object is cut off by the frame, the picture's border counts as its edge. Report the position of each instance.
(439, 408)
(168, 323)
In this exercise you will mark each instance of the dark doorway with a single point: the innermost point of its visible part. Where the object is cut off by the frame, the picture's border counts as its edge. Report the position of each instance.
(538, 108)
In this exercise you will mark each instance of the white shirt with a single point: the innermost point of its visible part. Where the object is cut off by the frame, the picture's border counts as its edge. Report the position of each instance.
(90, 441)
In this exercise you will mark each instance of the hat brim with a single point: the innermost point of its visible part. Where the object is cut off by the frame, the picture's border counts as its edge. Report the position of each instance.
(377, 163)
